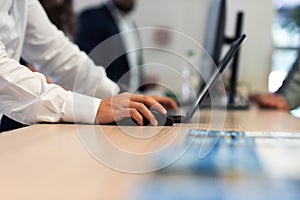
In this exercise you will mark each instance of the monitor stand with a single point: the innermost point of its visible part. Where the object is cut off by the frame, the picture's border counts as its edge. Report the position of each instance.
(239, 102)
(232, 100)
(235, 100)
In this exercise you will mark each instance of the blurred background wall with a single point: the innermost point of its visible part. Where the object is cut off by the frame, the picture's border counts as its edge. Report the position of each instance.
(189, 17)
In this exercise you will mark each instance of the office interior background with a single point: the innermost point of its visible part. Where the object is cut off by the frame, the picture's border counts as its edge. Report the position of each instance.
(266, 55)
(249, 154)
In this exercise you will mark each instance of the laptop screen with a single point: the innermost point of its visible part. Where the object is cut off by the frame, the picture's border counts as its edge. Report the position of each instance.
(234, 47)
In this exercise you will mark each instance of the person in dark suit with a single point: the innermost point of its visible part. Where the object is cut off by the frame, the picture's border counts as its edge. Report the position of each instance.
(98, 35)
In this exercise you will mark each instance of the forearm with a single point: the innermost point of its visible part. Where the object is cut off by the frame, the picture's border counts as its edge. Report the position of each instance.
(26, 97)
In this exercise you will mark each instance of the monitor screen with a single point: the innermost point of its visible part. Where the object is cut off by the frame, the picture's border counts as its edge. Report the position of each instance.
(215, 29)
(214, 38)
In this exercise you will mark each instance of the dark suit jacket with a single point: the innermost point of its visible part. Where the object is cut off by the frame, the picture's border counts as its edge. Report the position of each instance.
(95, 26)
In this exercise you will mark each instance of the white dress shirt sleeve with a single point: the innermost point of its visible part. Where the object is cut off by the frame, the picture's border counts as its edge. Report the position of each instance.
(59, 58)
(26, 97)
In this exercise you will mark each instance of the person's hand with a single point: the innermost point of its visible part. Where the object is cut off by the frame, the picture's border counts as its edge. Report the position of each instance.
(129, 105)
(167, 102)
(272, 101)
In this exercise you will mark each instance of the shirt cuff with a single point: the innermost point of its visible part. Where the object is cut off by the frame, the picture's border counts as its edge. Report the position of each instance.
(80, 108)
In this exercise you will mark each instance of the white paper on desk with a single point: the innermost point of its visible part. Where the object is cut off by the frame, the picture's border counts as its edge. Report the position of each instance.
(276, 152)
(267, 134)
(279, 157)
(164, 187)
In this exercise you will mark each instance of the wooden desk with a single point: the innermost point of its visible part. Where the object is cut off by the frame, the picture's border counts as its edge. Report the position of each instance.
(49, 161)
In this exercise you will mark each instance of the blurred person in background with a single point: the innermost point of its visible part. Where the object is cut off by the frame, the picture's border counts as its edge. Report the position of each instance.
(287, 97)
(98, 24)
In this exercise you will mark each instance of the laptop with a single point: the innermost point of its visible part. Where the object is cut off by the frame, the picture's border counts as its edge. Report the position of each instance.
(234, 47)
(169, 119)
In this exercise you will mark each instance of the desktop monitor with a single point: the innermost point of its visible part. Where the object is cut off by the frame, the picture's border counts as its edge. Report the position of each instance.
(213, 38)
(214, 41)
(215, 29)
